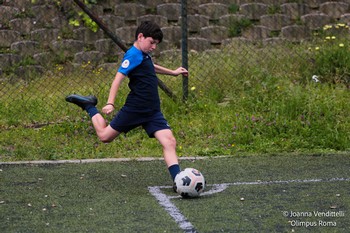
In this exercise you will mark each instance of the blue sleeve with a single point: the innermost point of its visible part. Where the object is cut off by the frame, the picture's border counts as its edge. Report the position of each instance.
(132, 58)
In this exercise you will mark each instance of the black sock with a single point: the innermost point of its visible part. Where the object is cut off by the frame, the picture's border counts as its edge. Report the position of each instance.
(174, 170)
(91, 110)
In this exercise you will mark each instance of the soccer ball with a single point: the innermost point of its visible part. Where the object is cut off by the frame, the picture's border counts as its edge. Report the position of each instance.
(189, 183)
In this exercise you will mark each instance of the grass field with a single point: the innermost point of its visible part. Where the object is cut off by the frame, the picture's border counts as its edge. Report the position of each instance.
(280, 193)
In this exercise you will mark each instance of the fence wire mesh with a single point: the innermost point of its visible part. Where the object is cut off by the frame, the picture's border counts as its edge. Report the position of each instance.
(224, 51)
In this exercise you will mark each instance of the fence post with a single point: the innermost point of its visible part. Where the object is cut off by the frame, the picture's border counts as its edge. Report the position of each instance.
(184, 49)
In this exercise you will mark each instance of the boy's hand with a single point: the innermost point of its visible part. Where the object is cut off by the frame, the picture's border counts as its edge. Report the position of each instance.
(108, 109)
(181, 70)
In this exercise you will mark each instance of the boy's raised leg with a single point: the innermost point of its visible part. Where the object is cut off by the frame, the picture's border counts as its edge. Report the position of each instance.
(88, 103)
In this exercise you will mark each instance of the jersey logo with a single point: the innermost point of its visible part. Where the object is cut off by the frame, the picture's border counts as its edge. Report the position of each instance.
(125, 64)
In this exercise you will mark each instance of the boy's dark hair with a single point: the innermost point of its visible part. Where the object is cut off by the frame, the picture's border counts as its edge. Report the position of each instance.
(150, 29)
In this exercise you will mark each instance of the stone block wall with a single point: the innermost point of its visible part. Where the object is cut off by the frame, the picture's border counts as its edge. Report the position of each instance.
(39, 29)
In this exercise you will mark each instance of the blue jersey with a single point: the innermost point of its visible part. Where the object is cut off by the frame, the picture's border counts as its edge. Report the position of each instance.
(143, 82)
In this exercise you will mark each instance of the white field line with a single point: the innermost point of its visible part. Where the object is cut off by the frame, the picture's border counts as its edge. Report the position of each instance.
(171, 209)
(165, 200)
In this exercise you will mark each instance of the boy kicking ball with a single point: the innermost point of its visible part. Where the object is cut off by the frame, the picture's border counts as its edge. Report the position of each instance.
(142, 106)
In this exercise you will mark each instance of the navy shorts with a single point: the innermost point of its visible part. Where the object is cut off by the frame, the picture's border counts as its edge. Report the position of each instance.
(151, 122)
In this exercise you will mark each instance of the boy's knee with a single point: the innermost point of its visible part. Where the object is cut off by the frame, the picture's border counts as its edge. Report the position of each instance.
(171, 142)
(166, 139)
(105, 138)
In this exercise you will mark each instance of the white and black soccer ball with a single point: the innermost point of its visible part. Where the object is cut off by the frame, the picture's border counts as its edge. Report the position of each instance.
(189, 183)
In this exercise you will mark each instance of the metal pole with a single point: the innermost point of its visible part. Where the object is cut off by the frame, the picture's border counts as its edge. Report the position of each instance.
(99, 22)
(184, 49)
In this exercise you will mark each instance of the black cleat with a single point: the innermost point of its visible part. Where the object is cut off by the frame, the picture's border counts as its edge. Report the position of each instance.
(82, 101)
(174, 187)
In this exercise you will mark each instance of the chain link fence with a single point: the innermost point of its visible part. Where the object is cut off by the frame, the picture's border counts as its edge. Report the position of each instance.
(222, 43)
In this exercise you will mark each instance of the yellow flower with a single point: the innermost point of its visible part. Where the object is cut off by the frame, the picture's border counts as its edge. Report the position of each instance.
(326, 27)
(341, 45)
(328, 37)
(333, 37)
(193, 88)
(317, 48)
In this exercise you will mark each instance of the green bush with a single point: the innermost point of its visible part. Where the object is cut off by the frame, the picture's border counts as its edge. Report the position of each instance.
(237, 26)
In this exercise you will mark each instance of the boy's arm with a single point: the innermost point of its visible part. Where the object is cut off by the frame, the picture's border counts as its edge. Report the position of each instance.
(109, 107)
(162, 70)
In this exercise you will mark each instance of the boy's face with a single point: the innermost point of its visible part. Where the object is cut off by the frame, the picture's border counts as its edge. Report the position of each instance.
(146, 44)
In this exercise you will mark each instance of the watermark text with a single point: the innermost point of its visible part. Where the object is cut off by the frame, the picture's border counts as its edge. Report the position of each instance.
(313, 218)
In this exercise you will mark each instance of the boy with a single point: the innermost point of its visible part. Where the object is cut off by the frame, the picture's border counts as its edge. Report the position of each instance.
(142, 106)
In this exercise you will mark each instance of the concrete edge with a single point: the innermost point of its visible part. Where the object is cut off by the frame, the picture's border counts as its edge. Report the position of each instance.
(83, 161)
